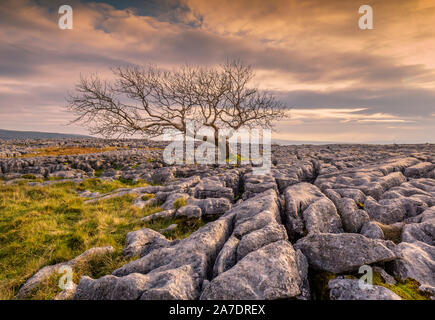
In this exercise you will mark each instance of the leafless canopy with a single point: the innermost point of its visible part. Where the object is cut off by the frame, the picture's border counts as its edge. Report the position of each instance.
(148, 100)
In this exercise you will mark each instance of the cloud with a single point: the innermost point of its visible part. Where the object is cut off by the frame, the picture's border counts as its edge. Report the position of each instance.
(310, 53)
(343, 115)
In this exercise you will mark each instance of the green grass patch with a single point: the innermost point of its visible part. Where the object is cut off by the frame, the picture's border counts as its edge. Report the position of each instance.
(407, 290)
(105, 186)
(42, 226)
(98, 172)
(319, 284)
(96, 267)
(184, 227)
(180, 202)
(148, 196)
(391, 232)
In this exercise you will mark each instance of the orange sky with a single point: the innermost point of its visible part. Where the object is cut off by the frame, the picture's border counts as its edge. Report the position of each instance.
(343, 84)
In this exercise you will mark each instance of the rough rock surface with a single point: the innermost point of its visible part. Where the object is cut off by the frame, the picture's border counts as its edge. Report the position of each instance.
(349, 289)
(268, 273)
(320, 208)
(344, 252)
(46, 272)
(144, 241)
(309, 211)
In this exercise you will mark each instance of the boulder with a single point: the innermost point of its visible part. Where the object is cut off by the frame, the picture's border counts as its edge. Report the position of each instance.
(386, 211)
(46, 272)
(259, 238)
(189, 212)
(308, 211)
(169, 203)
(174, 284)
(227, 257)
(372, 230)
(267, 273)
(343, 252)
(143, 241)
(216, 206)
(423, 231)
(349, 289)
(166, 214)
(416, 261)
(419, 170)
(352, 218)
(163, 175)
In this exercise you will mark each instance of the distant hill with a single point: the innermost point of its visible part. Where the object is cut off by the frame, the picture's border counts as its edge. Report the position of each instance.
(12, 134)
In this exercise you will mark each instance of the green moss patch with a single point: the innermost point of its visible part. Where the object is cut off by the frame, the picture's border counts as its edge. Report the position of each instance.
(147, 196)
(42, 226)
(180, 202)
(407, 290)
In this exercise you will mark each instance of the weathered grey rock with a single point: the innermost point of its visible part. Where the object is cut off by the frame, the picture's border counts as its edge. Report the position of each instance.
(139, 203)
(169, 203)
(372, 230)
(388, 279)
(357, 195)
(174, 284)
(169, 228)
(268, 273)
(422, 229)
(212, 187)
(349, 289)
(428, 215)
(255, 184)
(352, 218)
(428, 289)
(256, 213)
(64, 174)
(227, 257)
(174, 272)
(143, 241)
(419, 170)
(66, 294)
(308, 210)
(166, 214)
(163, 175)
(424, 232)
(386, 211)
(168, 284)
(89, 194)
(416, 261)
(46, 272)
(259, 238)
(216, 206)
(111, 173)
(343, 252)
(189, 212)
(302, 263)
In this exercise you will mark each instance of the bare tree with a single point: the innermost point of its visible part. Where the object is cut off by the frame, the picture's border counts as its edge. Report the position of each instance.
(148, 100)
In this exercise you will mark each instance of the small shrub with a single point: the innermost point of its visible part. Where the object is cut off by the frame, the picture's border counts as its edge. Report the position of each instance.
(319, 284)
(98, 172)
(147, 196)
(407, 290)
(28, 176)
(391, 232)
(180, 202)
(76, 241)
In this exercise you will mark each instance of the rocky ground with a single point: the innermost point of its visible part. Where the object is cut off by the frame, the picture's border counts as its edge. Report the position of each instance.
(303, 231)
